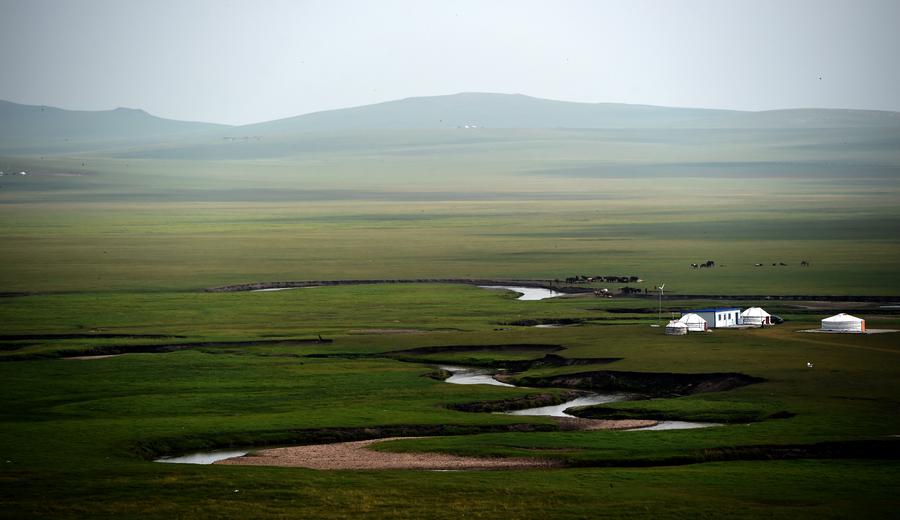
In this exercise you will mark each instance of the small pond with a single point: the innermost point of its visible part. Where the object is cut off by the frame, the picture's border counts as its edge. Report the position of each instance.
(207, 457)
(482, 376)
(559, 410)
(471, 376)
(676, 425)
(528, 293)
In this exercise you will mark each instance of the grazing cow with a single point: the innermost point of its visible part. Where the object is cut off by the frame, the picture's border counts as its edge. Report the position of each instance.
(758, 265)
(694, 266)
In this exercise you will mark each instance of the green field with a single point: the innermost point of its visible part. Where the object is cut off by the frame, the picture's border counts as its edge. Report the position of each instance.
(538, 207)
(123, 240)
(83, 431)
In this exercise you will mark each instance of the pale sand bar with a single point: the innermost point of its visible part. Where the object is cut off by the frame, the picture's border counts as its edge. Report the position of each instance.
(356, 455)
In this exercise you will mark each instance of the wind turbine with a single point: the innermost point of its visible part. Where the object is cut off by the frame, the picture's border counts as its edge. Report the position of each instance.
(659, 313)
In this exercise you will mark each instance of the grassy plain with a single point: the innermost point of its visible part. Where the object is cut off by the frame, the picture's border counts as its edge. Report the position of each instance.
(82, 431)
(652, 229)
(122, 242)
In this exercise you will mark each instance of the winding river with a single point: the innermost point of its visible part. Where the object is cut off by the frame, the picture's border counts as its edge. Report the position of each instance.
(527, 293)
(203, 457)
(481, 376)
(472, 376)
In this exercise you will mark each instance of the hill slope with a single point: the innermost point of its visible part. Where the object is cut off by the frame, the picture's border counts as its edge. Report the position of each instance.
(485, 110)
(41, 129)
(420, 123)
(518, 111)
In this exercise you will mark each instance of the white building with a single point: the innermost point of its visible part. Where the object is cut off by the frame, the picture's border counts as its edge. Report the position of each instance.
(720, 317)
(843, 323)
(676, 328)
(694, 322)
(755, 316)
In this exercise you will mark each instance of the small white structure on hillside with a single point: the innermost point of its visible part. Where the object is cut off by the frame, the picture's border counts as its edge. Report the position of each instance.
(755, 316)
(694, 322)
(720, 316)
(676, 328)
(843, 323)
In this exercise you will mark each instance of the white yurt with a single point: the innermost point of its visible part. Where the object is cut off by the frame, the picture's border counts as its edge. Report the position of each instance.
(756, 316)
(844, 323)
(694, 322)
(676, 328)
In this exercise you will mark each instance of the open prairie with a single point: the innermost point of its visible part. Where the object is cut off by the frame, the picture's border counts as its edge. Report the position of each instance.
(108, 250)
(543, 204)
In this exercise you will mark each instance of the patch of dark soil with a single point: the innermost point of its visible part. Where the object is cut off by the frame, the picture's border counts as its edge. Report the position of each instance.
(512, 347)
(105, 350)
(99, 335)
(656, 384)
(174, 446)
(517, 403)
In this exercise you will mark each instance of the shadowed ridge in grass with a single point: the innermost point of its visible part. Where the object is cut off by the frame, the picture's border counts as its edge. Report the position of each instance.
(156, 448)
(105, 350)
(646, 383)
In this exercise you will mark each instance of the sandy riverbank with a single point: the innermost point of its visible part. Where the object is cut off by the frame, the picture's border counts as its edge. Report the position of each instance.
(357, 455)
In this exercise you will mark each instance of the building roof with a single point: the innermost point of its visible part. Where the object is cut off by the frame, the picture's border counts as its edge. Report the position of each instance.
(755, 311)
(692, 318)
(717, 309)
(842, 317)
(676, 324)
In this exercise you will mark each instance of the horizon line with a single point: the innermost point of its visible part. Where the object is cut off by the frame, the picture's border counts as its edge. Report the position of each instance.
(407, 98)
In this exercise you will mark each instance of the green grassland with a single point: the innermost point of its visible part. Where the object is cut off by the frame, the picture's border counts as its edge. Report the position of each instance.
(83, 431)
(185, 225)
(124, 240)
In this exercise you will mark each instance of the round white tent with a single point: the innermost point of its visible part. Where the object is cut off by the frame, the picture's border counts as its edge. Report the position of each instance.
(676, 328)
(844, 323)
(694, 322)
(756, 316)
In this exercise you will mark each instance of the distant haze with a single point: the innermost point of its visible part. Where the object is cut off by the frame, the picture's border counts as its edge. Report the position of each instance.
(240, 62)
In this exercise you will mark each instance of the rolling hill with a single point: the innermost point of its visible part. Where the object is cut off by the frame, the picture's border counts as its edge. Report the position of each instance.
(420, 122)
(30, 129)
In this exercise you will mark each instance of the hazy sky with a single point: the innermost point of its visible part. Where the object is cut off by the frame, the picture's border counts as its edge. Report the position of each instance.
(247, 61)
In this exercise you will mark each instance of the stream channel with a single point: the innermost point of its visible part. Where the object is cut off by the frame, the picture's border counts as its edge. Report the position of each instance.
(480, 376)
(527, 293)
(471, 376)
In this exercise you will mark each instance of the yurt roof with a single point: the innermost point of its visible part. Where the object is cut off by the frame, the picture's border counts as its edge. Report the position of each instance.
(842, 317)
(755, 311)
(692, 318)
(676, 323)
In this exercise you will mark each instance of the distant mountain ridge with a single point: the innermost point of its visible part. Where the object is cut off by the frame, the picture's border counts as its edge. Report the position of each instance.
(519, 111)
(33, 127)
(30, 129)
